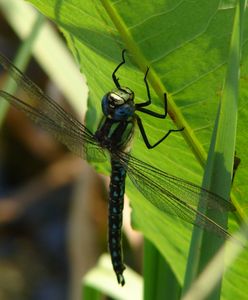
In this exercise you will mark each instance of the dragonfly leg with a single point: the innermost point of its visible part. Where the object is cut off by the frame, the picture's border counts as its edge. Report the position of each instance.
(149, 101)
(142, 130)
(140, 106)
(115, 79)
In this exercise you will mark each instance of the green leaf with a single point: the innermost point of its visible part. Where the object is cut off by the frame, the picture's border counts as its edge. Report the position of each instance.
(186, 44)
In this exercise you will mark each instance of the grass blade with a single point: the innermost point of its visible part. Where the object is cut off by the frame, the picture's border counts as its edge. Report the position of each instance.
(218, 173)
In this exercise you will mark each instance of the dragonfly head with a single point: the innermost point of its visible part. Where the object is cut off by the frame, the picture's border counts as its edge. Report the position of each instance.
(118, 104)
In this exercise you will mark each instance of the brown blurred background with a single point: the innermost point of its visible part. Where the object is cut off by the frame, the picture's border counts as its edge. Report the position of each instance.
(53, 206)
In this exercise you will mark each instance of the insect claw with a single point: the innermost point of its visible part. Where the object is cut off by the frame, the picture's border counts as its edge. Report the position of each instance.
(120, 279)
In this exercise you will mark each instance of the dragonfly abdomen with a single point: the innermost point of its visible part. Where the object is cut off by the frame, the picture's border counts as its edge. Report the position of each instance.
(116, 197)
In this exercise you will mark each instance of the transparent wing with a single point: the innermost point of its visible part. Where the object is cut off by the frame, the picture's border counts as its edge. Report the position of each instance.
(174, 195)
(45, 112)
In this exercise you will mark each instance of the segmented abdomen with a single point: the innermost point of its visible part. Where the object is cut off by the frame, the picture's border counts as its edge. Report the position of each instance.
(116, 197)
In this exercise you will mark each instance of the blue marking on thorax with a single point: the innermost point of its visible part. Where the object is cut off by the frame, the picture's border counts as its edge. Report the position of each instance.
(123, 112)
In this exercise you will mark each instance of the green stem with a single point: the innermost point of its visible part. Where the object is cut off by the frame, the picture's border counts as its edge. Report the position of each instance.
(21, 61)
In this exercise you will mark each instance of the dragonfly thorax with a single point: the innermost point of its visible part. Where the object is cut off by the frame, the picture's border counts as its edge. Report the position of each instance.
(118, 104)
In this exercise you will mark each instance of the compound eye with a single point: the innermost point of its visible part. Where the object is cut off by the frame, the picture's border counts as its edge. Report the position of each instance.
(115, 100)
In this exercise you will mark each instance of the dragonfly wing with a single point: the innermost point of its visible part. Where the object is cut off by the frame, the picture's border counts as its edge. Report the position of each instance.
(173, 195)
(39, 100)
(65, 130)
(94, 153)
(52, 117)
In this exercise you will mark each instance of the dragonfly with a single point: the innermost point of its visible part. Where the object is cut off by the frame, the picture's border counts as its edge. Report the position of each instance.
(172, 195)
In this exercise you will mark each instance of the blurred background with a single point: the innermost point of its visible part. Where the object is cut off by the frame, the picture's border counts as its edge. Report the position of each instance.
(53, 206)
